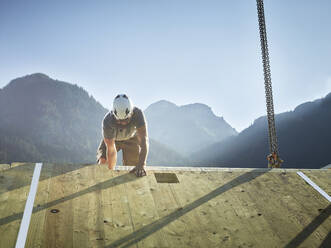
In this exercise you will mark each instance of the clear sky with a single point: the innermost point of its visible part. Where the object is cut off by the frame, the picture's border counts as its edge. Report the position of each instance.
(184, 51)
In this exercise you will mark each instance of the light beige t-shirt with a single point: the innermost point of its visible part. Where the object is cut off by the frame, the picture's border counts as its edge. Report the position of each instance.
(113, 130)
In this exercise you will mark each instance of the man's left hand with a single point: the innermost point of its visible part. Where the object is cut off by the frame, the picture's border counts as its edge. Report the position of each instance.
(139, 171)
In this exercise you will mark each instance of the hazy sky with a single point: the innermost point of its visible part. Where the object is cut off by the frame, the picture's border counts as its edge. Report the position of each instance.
(184, 51)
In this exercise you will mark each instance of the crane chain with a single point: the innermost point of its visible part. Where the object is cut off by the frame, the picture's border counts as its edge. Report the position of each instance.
(273, 158)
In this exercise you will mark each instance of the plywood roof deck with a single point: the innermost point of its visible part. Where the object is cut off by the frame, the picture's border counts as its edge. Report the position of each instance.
(209, 207)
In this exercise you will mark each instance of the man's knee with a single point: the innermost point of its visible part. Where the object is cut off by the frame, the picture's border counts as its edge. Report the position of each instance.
(102, 160)
(131, 152)
(131, 161)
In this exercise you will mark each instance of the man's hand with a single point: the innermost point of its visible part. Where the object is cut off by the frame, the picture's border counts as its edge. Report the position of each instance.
(139, 171)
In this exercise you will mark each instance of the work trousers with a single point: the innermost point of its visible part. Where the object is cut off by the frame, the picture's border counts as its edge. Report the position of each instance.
(130, 150)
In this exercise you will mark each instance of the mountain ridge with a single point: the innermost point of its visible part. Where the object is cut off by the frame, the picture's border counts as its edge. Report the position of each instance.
(303, 137)
(186, 128)
(54, 121)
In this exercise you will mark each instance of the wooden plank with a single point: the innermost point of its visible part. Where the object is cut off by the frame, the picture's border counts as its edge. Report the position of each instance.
(102, 208)
(120, 225)
(4, 167)
(16, 164)
(226, 221)
(88, 226)
(143, 213)
(80, 208)
(274, 201)
(190, 219)
(106, 201)
(305, 204)
(12, 204)
(95, 215)
(35, 234)
(202, 215)
(191, 195)
(321, 178)
(267, 203)
(19, 174)
(59, 226)
(253, 229)
(165, 205)
(188, 195)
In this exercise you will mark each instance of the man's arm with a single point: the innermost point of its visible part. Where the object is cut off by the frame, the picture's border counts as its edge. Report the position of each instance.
(111, 153)
(102, 153)
(144, 145)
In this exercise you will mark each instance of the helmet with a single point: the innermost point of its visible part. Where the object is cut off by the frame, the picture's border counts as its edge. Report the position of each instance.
(122, 107)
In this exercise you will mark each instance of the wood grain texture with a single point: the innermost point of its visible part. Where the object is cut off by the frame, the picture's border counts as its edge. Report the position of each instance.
(305, 205)
(241, 222)
(12, 202)
(36, 235)
(166, 204)
(4, 167)
(58, 229)
(321, 178)
(121, 224)
(143, 213)
(207, 208)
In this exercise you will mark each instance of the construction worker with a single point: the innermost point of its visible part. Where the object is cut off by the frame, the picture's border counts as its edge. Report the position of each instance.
(124, 128)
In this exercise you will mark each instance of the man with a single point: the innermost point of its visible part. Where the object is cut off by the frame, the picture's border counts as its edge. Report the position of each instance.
(124, 128)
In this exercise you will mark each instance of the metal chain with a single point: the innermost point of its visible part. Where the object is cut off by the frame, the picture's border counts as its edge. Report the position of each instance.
(267, 79)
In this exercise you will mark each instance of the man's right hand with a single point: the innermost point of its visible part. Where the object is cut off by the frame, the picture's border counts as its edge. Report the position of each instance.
(139, 171)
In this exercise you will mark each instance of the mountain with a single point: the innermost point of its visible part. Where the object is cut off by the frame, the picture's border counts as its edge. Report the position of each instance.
(186, 128)
(46, 120)
(304, 139)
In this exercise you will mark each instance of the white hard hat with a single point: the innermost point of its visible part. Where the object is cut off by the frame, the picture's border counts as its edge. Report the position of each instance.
(122, 107)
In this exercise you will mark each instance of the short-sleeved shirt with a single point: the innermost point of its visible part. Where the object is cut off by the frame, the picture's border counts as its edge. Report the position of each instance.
(112, 130)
